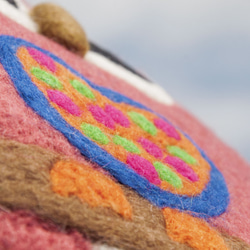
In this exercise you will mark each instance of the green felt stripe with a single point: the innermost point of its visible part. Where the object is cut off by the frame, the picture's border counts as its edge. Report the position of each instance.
(178, 152)
(94, 133)
(143, 122)
(166, 174)
(125, 143)
(81, 88)
(46, 77)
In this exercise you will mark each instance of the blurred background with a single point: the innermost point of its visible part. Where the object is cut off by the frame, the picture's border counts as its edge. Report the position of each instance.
(199, 51)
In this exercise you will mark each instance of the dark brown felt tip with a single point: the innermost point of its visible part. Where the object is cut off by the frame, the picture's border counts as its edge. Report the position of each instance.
(58, 25)
(25, 184)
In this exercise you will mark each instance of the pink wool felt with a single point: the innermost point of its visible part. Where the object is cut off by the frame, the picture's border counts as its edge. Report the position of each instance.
(151, 148)
(20, 123)
(64, 102)
(144, 168)
(21, 231)
(42, 59)
(182, 168)
(167, 128)
(117, 116)
(101, 116)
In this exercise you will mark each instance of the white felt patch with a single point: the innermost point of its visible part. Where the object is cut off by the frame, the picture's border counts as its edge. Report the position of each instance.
(152, 90)
(103, 247)
(19, 15)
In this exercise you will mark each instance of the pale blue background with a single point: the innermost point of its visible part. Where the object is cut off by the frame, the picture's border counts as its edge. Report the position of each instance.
(198, 50)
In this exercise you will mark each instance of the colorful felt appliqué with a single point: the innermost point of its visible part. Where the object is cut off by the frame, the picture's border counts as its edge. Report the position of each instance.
(69, 177)
(111, 129)
(138, 147)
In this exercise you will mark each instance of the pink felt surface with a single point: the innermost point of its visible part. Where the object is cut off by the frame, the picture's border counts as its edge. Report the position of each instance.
(21, 231)
(20, 123)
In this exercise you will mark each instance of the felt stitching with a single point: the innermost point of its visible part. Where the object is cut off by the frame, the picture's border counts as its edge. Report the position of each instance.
(71, 178)
(128, 145)
(198, 205)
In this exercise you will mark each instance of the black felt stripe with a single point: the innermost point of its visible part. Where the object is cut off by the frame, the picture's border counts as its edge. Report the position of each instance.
(12, 2)
(115, 59)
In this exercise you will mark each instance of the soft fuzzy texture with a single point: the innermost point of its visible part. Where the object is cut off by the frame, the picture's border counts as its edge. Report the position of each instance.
(25, 183)
(16, 125)
(187, 229)
(213, 198)
(22, 230)
(57, 24)
(89, 185)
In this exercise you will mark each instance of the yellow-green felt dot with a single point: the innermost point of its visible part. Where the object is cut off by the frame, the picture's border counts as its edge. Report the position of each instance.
(125, 143)
(82, 89)
(182, 154)
(143, 122)
(94, 133)
(166, 174)
(46, 77)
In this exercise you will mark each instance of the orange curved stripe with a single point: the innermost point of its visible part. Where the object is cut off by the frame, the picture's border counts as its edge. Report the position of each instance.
(193, 231)
(202, 168)
(89, 185)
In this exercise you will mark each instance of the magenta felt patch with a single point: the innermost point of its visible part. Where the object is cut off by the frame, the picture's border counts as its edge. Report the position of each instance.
(182, 168)
(117, 116)
(144, 168)
(167, 128)
(42, 59)
(151, 148)
(64, 102)
(101, 116)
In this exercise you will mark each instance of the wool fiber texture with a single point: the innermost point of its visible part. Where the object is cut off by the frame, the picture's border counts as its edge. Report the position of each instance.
(57, 24)
(21, 124)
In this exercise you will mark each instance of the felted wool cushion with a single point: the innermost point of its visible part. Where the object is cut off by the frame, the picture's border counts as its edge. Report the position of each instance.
(86, 164)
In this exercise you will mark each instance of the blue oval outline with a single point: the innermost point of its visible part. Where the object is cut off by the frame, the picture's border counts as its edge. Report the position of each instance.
(213, 200)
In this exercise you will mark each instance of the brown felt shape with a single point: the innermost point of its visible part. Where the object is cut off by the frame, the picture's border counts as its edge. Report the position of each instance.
(57, 24)
(25, 183)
